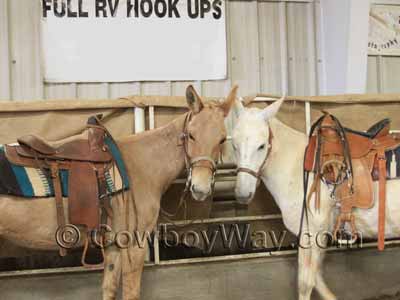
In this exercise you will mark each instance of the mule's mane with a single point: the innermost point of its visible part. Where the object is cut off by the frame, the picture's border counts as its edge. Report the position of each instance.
(292, 130)
(157, 132)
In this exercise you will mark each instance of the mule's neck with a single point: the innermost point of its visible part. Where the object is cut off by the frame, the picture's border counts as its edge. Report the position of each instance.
(283, 172)
(156, 156)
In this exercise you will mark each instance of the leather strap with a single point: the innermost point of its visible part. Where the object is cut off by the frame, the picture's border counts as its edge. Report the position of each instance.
(382, 198)
(59, 200)
(257, 174)
(104, 198)
(197, 159)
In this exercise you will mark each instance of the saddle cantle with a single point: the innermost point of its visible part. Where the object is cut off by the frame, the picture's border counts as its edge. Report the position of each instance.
(350, 161)
(86, 161)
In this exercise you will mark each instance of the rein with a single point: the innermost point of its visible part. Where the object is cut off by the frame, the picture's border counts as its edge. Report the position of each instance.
(190, 164)
(257, 174)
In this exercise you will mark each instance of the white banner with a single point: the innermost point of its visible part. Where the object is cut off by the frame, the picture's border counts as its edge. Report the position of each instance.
(133, 40)
(384, 30)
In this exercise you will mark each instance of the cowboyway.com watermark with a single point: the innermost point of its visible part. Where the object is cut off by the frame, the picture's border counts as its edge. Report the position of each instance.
(228, 236)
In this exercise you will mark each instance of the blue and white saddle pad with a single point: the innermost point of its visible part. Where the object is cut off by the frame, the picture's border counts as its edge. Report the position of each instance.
(35, 182)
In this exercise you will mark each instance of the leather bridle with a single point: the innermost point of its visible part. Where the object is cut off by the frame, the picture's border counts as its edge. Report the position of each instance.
(190, 164)
(257, 174)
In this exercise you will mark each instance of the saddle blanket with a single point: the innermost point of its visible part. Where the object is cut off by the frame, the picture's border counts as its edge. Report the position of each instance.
(393, 163)
(35, 182)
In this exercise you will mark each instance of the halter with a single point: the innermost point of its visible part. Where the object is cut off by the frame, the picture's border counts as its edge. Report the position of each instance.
(257, 174)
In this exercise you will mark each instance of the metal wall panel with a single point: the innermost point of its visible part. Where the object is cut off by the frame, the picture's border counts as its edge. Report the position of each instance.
(390, 69)
(383, 74)
(123, 89)
(24, 39)
(372, 75)
(245, 59)
(156, 88)
(301, 69)
(60, 91)
(273, 47)
(179, 88)
(4, 53)
(258, 45)
(92, 90)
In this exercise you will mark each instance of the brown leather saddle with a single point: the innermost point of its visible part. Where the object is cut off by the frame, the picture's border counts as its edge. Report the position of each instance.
(86, 161)
(349, 161)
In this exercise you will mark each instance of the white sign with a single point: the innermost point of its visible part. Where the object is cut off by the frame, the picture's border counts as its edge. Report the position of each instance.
(384, 30)
(133, 40)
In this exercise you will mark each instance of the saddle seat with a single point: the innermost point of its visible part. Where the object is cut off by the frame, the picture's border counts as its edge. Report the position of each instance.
(351, 160)
(360, 143)
(379, 128)
(91, 149)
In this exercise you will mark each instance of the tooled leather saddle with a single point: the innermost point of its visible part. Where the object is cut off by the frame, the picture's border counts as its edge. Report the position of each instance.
(349, 161)
(86, 161)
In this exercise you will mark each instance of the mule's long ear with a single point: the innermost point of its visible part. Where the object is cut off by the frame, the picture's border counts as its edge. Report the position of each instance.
(230, 100)
(238, 107)
(271, 110)
(193, 100)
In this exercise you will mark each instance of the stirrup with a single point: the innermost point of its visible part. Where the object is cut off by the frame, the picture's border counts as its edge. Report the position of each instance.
(340, 232)
(84, 254)
(345, 241)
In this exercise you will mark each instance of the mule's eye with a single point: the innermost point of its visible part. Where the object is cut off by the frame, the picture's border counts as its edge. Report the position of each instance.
(191, 137)
(262, 147)
(222, 141)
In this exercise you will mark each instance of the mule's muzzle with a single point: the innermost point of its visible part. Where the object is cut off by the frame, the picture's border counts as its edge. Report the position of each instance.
(200, 192)
(246, 186)
(244, 198)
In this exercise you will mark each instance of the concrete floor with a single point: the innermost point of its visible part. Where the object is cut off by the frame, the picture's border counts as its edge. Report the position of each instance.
(352, 275)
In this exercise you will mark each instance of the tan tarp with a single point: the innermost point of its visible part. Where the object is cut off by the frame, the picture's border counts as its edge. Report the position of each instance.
(55, 119)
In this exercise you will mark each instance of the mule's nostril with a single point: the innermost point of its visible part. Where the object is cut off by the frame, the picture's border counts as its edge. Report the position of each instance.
(194, 189)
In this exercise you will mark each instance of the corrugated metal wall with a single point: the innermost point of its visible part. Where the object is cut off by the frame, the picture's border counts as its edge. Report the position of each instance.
(383, 74)
(271, 46)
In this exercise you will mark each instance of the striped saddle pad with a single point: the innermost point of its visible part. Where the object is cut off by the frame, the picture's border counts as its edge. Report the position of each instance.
(35, 182)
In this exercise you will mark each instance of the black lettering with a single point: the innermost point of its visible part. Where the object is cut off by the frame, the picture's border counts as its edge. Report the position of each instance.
(45, 7)
(191, 14)
(205, 7)
(113, 8)
(160, 8)
(82, 14)
(57, 12)
(129, 7)
(101, 8)
(217, 9)
(70, 13)
(172, 8)
(149, 11)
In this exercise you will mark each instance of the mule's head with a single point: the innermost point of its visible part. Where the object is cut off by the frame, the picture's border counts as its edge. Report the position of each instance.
(205, 133)
(251, 141)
